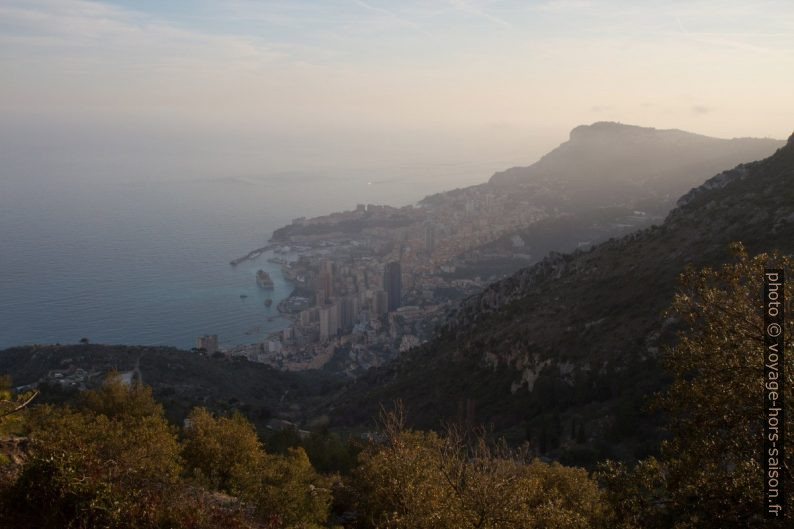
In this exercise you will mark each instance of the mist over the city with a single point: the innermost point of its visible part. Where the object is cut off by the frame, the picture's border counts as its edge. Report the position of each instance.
(369, 264)
(254, 87)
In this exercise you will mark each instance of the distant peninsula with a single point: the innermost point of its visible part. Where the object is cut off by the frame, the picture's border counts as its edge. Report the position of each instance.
(377, 280)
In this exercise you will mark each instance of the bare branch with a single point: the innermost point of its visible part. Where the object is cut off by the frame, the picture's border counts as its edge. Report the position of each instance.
(21, 406)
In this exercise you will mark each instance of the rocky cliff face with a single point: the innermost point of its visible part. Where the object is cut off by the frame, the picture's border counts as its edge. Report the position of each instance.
(575, 338)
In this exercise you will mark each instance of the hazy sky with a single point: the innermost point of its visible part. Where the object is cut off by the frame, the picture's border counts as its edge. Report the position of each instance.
(368, 83)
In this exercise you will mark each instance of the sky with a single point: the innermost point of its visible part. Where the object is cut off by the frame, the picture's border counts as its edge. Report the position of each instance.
(444, 87)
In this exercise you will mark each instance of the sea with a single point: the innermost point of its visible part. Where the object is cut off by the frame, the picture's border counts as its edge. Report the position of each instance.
(145, 261)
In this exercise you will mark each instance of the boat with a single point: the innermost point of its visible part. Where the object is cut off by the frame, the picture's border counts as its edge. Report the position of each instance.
(243, 296)
(263, 279)
(268, 302)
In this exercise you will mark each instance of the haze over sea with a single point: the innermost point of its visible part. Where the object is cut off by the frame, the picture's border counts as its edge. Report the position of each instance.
(137, 251)
(144, 144)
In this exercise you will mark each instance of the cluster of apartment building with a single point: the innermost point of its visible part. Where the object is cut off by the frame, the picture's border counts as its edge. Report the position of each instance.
(345, 296)
(371, 275)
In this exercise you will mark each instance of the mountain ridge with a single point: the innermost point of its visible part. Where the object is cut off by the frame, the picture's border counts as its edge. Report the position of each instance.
(575, 338)
(592, 139)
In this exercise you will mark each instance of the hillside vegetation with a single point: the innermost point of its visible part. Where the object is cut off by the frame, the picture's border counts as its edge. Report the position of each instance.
(111, 459)
(564, 353)
(179, 379)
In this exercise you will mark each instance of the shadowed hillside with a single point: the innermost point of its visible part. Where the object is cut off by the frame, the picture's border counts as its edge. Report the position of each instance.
(563, 353)
(608, 180)
(179, 379)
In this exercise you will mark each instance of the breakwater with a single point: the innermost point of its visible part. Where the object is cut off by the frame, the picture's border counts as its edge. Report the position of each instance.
(253, 254)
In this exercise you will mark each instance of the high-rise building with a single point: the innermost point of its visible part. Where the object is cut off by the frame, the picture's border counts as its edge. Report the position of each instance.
(430, 238)
(336, 316)
(380, 302)
(347, 315)
(325, 323)
(325, 283)
(330, 320)
(355, 304)
(208, 342)
(392, 284)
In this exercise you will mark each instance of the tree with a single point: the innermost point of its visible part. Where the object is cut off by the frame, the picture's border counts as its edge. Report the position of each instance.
(115, 399)
(328, 452)
(114, 462)
(286, 491)
(710, 472)
(224, 453)
(91, 469)
(216, 449)
(422, 480)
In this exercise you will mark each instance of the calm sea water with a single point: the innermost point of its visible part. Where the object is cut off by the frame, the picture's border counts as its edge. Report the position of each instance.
(145, 261)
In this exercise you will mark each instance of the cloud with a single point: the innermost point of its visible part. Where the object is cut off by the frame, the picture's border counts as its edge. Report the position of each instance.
(738, 44)
(391, 15)
(88, 33)
(563, 6)
(377, 65)
(471, 8)
(92, 59)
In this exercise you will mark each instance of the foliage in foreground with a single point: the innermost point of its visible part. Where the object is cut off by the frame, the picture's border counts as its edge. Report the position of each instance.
(710, 473)
(113, 461)
(224, 453)
(422, 480)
